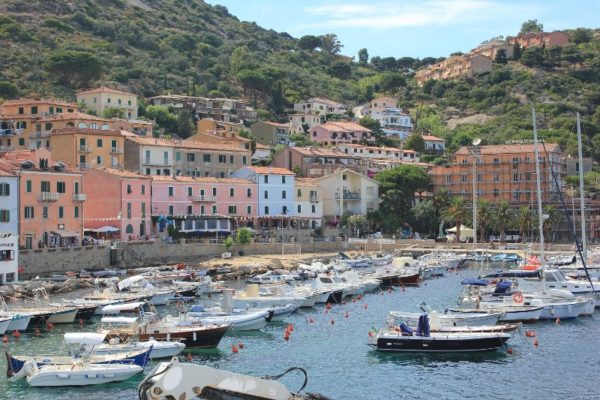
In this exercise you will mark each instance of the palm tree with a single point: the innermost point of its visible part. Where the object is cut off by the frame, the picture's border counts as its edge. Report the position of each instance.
(455, 213)
(441, 199)
(523, 221)
(553, 219)
(484, 217)
(502, 217)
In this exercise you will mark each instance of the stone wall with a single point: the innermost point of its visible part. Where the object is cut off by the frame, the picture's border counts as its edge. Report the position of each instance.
(48, 261)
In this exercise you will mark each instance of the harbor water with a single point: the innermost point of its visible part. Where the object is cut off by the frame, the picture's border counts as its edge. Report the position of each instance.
(333, 349)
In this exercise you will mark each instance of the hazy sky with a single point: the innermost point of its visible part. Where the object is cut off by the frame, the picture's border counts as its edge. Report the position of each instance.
(415, 28)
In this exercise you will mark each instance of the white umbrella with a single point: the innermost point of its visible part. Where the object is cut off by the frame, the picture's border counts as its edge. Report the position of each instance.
(465, 231)
(106, 229)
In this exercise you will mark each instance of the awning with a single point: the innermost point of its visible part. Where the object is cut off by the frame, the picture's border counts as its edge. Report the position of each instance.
(66, 234)
(106, 229)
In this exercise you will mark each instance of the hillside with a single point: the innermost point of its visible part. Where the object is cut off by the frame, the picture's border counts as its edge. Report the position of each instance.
(151, 47)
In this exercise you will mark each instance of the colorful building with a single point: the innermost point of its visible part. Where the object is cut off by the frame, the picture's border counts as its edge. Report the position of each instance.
(455, 67)
(540, 39)
(9, 257)
(118, 203)
(332, 133)
(9, 201)
(89, 148)
(218, 109)
(50, 199)
(102, 98)
(308, 206)
(320, 106)
(270, 133)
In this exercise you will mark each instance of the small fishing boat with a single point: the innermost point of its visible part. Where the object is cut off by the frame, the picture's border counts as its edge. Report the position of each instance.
(252, 298)
(424, 341)
(157, 349)
(18, 321)
(177, 380)
(474, 318)
(239, 320)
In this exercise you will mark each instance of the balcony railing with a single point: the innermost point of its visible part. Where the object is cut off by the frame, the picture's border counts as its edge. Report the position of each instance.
(349, 196)
(116, 150)
(40, 134)
(314, 198)
(85, 165)
(84, 149)
(203, 199)
(48, 196)
(9, 132)
(79, 197)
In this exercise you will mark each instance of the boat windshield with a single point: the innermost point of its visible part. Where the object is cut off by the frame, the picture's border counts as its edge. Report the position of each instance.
(325, 280)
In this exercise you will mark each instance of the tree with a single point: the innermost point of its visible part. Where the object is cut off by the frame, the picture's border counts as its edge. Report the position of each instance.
(340, 69)
(243, 236)
(531, 26)
(581, 35)
(113, 112)
(74, 67)
(424, 218)
(185, 124)
(405, 62)
(502, 219)
(227, 243)
(330, 43)
(309, 42)
(163, 117)
(300, 139)
(456, 213)
(484, 218)
(553, 219)
(8, 90)
(501, 57)
(254, 80)
(392, 81)
(441, 199)
(532, 57)
(358, 224)
(415, 142)
(517, 52)
(523, 221)
(363, 56)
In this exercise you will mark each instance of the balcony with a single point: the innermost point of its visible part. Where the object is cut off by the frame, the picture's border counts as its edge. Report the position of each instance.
(79, 197)
(4, 149)
(203, 199)
(116, 150)
(85, 165)
(349, 196)
(40, 134)
(48, 196)
(314, 198)
(84, 149)
(11, 131)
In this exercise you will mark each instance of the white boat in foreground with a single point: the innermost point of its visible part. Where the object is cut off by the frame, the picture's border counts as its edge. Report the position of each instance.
(160, 349)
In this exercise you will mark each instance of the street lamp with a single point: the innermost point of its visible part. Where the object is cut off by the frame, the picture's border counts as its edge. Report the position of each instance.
(475, 151)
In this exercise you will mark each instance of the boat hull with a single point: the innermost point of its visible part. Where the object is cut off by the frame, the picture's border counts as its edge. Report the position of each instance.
(4, 324)
(562, 310)
(47, 376)
(440, 344)
(400, 280)
(63, 317)
(194, 337)
(19, 323)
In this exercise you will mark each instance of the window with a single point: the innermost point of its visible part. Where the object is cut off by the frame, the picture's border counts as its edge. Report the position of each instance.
(515, 177)
(99, 143)
(119, 101)
(128, 189)
(21, 141)
(243, 160)
(528, 176)
(34, 109)
(4, 189)
(148, 172)
(496, 178)
(76, 188)
(45, 212)
(496, 161)
(113, 144)
(299, 208)
(266, 210)
(249, 192)
(284, 210)
(143, 210)
(448, 178)
(314, 208)
(463, 178)
(45, 186)
(148, 157)
(21, 110)
(515, 162)
(214, 209)
(283, 194)
(249, 210)
(283, 179)
(496, 192)
(202, 210)
(4, 215)
(28, 186)
(190, 210)
(206, 157)
(231, 192)
(171, 191)
(232, 210)
(266, 194)
(99, 160)
(76, 212)
(214, 191)
(222, 158)
(108, 100)
(231, 159)
(61, 187)
(128, 102)
(129, 229)
(517, 194)
(266, 180)
(191, 157)
(479, 178)
(61, 212)
(166, 157)
(170, 210)
(299, 192)
(189, 190)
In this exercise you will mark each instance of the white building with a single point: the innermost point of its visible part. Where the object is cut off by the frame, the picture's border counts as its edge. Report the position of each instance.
(393, 122)
(308, 204)
(374, 152)
(9, 257)
(434, 143)
(9, 203)
(275, 189)
(346, 191)
(298, 121)
(320, 106)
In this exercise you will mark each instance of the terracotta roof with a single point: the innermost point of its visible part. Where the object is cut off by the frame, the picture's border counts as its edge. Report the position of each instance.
(263, 146)
(509, 149)
(191, 179)
(87, 131)
(13, 161)
(324, 101)
(306, 182)
(122, 173)
(321, 152)
(432, 138)
(104, 89)
(378, 148)
(276, 124)
(19, 102)
(149, 141)
(343, 126)
(6, 173)
(271, 170)
(75, 115)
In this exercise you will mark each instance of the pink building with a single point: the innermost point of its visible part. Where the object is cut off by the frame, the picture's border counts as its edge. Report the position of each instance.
(332, 133)
(117, 200)
(203, 205)
(50, 199)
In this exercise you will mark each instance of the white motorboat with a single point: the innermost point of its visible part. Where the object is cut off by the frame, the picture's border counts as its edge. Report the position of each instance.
(4, 324)
(306, 299)
(78, 374)
(132, 307)
(240, 320)
(438, 320)
(368, 284)
(252, 298)
(281, 312)
(160, 349)
(18, 321)
(270, 277)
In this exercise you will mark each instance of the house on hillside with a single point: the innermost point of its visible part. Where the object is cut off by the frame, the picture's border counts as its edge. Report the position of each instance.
(332, 133)
(102, 98)
(270, 133)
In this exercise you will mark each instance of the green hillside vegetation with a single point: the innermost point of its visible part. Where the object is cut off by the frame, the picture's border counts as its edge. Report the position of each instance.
(152, 47)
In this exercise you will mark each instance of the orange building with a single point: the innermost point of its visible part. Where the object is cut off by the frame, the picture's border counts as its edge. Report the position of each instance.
(89, 148)
(210, 125)
(50, 199)
(455, 67)
(541, 39)
(504, 173)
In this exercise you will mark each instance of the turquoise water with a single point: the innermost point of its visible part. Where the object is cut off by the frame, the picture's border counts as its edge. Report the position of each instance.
(340, 364)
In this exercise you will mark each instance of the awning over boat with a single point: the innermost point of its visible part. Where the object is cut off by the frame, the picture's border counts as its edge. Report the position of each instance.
(475, 282)
(117, 308)
(65, 233)
(119, 320)
(88, 338)
(132, 280)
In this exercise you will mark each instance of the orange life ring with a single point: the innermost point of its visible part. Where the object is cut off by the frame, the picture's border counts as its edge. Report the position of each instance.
(518, 298)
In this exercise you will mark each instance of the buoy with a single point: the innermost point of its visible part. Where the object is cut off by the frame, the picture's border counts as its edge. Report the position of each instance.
(17, 334)
(397, 329)
(5, 339)
(557, 321)
(189, 357)
(286, 336)
(310, 320)
(529, 333)
(509, 351)
(80, 321)
(366, 306)
(328, 306)
(241, 345)
(390, 290)
(37, 331)
(332, 321)
(354, 300)
(291, 327)
(346, 315)
(49, 325)
(536, 343)
(234, 349)
(359, 297)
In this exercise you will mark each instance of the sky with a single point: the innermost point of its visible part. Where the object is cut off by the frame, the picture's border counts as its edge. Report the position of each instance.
(412, 28)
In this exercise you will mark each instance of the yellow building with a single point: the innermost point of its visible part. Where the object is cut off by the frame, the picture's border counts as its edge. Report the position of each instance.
(99, 99)
(89, 148)
(207, 125)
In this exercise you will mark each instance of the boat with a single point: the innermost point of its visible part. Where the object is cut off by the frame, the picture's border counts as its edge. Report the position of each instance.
(18, 321)
(132, 307)
(78, 374)
(323, 285)
(252, 298)
(393, 275)
(423, 340)
(177, 380)
(4, 324)
(474, 318)
(239, 320)
(158, 349)
(270, 277)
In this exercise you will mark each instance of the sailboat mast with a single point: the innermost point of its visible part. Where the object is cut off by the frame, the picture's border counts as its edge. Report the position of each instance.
(538, 186)
(581, 193)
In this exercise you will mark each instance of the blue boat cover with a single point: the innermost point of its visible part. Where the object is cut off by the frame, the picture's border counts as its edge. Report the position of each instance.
(475, 282)
(502, 287)
(197, 308)
(405, 329)
(423, 326)
(516, 274)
